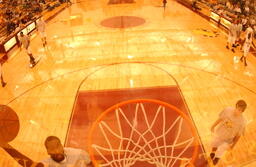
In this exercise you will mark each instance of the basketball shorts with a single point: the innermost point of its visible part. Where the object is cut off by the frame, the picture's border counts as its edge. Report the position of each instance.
(28, 50)
(231, 39)
(42, 34)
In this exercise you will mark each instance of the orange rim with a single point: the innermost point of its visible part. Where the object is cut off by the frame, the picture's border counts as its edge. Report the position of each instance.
(118, 105)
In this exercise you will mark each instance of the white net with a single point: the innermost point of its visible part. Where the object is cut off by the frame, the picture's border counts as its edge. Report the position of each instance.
(123, 147)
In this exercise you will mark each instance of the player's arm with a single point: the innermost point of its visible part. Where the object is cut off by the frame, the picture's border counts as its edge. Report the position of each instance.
(222, 116)
(84, 158)
(215, 124)
(22, 159)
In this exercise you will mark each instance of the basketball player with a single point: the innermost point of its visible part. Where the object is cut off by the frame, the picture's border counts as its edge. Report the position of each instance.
(25, 41)
(232, 36)
(41, 29)
(1, 75)
(247, 44)
(239, 27)
(227, 130)
(63, 156)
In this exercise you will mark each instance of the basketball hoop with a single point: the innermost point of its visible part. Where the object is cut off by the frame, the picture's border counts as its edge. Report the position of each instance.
(143, 131)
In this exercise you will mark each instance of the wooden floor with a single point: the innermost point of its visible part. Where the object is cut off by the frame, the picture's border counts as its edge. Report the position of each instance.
(169, 42)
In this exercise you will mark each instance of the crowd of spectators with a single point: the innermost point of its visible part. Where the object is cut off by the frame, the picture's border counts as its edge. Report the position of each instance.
(243, 10)
(14, 14)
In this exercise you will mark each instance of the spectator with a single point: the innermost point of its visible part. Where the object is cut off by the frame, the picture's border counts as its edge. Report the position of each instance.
(194, 5)
(247, 10)
(10, 26)
(42, 1)
(229, 5)
(8, 14)
(237, 9)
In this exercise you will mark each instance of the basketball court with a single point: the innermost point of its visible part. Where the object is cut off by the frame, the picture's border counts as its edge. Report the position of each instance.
(130, 83)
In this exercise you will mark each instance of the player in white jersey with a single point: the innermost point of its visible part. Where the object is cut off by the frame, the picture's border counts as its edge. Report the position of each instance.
(239, 30)
(1, 75)
(227, 130)
(25, 41)
(64, 156)
(232, 36)
(247, 44)
(41, 29)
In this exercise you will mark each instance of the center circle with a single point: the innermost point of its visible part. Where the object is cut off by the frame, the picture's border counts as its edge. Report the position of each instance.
(122, 22)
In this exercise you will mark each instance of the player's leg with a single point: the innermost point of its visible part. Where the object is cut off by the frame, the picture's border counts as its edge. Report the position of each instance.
(31, 57)
(45, 42)
(220, 151)
(215, 144)
(242, 44)
(246, 51)
(217, 147)
(43, 38)
(228, 42)
(233, 41)
(2, 80)
(245, 63)
(238, 39)
(242, 58)
(212, 154)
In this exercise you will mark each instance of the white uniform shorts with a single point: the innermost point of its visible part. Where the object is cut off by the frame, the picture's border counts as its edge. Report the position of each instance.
(42, 34)
(28, 50)
(231, 39)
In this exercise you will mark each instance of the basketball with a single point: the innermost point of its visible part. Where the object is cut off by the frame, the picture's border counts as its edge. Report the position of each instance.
(9, 124)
